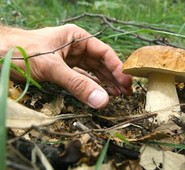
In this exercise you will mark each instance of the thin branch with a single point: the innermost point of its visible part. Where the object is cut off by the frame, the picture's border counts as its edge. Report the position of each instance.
(115, 20)
(108, 21)
(120, 125)
(73, 41)
(144, 90)
(101, 130)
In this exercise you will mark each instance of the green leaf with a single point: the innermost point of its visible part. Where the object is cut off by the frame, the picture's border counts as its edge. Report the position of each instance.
(121, 137)
(22, 73)
(102, 156)
(144, 31)
(172, 145)
(4, 84)
(27, 64)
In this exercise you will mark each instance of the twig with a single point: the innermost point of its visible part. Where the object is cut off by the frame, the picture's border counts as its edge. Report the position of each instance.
(108, 21)
(102, 130)
(144, 90)
(16, 165)
(37, 153)
(115, 20)
(19, 154)
(61, 47)
(120, 125)
(46, 130)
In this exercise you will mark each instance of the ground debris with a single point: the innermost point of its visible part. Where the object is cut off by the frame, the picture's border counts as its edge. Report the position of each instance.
(77, 142)
(156, 158)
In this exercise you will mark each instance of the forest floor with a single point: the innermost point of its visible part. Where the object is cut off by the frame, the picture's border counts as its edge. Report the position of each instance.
(121, 136)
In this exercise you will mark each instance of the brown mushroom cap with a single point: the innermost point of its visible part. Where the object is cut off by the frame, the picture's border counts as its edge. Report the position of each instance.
(163, 59)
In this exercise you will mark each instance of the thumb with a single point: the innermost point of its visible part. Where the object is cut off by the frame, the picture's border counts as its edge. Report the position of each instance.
(82, 87)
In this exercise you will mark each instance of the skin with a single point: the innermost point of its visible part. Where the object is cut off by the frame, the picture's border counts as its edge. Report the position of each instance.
(90, 55)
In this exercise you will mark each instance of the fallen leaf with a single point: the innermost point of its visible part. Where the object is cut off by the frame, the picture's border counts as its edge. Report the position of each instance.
(153, 136)
(19, 116)
(107, 166)
(130, 165)
(169, 128)
(54, 107)
(180, 120)
(154, 158)
(15, 92)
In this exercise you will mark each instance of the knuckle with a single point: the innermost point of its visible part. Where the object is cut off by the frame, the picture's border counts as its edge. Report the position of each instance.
(77, 31)
(71, 26)
(77, 85)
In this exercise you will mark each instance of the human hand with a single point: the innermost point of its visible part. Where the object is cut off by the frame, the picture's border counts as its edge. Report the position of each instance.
(90, 55)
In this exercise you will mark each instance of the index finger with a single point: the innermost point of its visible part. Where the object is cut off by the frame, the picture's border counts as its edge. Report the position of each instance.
(106, 55)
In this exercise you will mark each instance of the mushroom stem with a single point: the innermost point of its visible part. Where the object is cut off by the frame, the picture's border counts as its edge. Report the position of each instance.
(162, 96)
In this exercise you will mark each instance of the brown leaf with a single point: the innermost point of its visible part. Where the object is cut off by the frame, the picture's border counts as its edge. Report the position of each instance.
(54, 107)
(19, 116)
(15, 92)
(154, 158)
(153, 136)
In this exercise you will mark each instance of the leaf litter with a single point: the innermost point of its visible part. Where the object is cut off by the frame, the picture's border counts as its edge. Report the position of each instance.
(76, 142)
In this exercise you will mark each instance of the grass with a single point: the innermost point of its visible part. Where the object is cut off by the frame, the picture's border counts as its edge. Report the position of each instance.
(5, 72)
(162, 14)
(102, 156)
(4, 84)
(28, 77)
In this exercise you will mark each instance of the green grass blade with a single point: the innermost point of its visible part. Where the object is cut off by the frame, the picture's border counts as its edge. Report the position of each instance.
(102, 156)
(121, 137)
(27, 64)
(172, 145)
(145, 31)
(22, 73)
(5, 73)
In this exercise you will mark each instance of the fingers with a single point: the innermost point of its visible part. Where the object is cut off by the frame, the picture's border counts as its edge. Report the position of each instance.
(89, 75)
(109, 80)
(116, 80)
(82, 87)
(103, 60)
(96, 56)
(124, 81)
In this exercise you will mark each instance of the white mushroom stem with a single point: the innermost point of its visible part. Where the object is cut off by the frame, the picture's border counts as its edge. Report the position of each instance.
(162, 95)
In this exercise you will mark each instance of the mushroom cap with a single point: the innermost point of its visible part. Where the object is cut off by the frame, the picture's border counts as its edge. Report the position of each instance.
(163, 59)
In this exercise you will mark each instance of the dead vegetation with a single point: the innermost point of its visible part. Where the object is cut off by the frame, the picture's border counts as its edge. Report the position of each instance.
(77, 142)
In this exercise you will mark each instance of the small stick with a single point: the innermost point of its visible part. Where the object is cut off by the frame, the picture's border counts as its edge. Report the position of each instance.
(59, 48)
(108, 21)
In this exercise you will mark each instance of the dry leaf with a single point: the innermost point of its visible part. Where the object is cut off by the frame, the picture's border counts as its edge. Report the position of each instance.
(19, 116)
(107, 166)
(153, 158)
(15, 92)
(169, 128)
(54, 107)
(130, 165)
(153, 136)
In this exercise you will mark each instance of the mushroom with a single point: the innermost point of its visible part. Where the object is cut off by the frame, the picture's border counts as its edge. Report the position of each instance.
(163, 66)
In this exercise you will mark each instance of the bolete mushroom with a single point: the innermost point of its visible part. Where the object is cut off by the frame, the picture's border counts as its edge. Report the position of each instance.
(163, 66)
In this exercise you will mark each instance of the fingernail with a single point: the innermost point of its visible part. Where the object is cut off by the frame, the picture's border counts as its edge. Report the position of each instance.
(97, 99)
